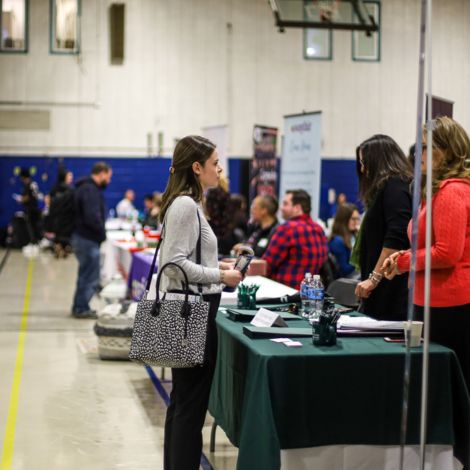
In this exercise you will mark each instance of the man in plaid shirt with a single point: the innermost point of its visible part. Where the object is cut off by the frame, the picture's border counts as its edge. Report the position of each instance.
(299, 245)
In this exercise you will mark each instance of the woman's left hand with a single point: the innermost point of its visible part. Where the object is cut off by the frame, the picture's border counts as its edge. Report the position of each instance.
(365, 288)
(225, 266)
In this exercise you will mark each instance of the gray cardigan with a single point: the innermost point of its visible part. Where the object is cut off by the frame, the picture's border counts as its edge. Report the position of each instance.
(180, 234)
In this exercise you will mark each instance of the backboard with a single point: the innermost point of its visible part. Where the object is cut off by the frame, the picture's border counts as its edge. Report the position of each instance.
(327, 14)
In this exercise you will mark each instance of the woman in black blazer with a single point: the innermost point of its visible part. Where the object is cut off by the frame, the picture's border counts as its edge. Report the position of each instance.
(385, 176)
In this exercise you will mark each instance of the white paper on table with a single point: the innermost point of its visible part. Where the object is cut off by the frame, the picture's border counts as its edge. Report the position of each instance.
(366, 323)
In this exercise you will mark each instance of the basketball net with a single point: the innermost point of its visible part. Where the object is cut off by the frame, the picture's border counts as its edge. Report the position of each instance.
(326, 9)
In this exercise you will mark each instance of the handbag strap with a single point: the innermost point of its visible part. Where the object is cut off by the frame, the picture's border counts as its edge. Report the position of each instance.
(152, 267)
(198, 255)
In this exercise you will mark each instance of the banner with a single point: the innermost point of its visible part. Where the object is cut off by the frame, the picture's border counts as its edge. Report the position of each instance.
(301, 160)
(263, 174)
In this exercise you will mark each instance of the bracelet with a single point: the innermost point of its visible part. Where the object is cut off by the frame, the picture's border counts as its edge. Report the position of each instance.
(222, 275)
(375, 277)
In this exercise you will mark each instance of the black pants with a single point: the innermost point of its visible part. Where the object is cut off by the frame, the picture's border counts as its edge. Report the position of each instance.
(189, 399)
(450, 326)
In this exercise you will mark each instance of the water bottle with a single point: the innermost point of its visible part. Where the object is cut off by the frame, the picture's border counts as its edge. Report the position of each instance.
(316, 296)
(305, 308)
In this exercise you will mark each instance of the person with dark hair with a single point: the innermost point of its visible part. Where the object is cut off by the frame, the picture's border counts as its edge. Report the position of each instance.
(30, 201)
(263, 224)
(343, 235)
(152, 204)
(61, 212)
(220, 210)
(89, 233)
(385, 177)
(450, 246)
(297, 246)
(194, 169)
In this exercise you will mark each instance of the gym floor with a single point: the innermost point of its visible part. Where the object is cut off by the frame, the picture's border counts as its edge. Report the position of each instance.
(61, 407)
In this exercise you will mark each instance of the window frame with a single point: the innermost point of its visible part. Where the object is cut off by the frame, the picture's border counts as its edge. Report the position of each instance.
(25, 50)
(354, 35)
(329, 32)
(52, 27)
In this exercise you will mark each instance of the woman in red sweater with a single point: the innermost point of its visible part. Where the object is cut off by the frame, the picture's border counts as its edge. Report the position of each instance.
(450, 245)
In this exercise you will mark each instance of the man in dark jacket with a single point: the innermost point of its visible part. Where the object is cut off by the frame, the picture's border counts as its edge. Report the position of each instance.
(88, 234)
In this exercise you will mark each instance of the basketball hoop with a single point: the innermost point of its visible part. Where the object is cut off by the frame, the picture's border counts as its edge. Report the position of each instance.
(324, 10)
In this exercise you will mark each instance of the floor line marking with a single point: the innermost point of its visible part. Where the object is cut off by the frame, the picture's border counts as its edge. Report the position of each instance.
(9, 440)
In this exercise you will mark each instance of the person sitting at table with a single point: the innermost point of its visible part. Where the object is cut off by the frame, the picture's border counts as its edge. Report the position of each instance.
(450, 246)
(194, 169)
(151, 211)
(384, 185)
(125, 207)
(343, 236)
(263, 224)
(298, 245)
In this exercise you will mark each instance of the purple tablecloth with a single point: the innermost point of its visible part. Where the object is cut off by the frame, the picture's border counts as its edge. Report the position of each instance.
(138, 273)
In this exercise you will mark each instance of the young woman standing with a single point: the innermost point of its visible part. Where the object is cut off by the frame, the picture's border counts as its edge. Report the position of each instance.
(194, 169)
(384, 185)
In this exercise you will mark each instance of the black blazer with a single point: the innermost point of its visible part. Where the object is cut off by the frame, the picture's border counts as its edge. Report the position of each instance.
(386, 224)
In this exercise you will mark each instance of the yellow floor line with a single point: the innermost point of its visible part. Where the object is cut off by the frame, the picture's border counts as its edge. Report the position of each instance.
(9, 441)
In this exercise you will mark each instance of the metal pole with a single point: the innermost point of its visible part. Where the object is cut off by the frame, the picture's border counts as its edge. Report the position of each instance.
(414, 231)
(427, 266)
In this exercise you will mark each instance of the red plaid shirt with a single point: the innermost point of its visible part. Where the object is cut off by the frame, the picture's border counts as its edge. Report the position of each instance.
(298, 246)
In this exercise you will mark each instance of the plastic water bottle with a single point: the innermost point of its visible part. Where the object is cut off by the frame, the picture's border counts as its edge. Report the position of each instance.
(305, 286)
(316, 296)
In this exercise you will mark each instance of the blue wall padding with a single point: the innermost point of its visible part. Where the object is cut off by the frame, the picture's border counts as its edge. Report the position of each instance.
(146, 175)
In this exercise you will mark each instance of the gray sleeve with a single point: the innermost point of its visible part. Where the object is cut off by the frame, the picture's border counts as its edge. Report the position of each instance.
(179, 242)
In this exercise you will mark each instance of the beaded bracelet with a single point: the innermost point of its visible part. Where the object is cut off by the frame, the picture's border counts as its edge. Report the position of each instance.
(375, 277)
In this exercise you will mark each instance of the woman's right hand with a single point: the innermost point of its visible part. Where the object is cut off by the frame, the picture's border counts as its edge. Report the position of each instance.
(390, 265)
(232, 277)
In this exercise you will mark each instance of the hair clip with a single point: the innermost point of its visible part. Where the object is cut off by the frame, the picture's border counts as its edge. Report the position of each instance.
(172, 170)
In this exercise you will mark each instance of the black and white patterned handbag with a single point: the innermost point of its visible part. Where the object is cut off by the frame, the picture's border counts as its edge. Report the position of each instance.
(171, 333)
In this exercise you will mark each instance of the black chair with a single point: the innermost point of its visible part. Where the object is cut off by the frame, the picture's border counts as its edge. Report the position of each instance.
(343, 291)
(329, 270)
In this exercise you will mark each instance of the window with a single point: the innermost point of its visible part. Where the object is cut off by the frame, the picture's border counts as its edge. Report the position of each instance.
(65, 26)
(318, 44)
(367, 48)
(14, 17)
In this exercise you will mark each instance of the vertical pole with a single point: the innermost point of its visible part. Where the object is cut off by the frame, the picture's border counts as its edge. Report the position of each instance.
(427, 265)
(414, 236)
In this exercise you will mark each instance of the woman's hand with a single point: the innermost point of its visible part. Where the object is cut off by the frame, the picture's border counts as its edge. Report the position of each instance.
(231, 277)
(390, 265)
(225, 265)
(365, 288)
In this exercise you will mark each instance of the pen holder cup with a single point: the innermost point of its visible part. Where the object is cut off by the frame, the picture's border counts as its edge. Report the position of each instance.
(324, 334)
(243, 300)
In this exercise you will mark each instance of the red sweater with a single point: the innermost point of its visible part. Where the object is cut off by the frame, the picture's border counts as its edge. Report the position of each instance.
(450, 247)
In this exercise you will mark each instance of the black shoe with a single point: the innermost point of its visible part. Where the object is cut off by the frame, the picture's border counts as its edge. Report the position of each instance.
(89, 314)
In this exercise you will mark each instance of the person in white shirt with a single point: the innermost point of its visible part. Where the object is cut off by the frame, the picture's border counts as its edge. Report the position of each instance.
(125, 207)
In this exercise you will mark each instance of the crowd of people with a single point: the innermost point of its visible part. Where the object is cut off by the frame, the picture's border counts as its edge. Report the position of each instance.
(197, 208)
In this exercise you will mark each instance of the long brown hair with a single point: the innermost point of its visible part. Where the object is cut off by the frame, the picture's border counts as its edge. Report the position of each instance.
(341, 223)
(382, 158)
(450, 138)
(182, 180)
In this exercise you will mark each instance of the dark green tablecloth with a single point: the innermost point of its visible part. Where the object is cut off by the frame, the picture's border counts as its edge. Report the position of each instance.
(269, 397)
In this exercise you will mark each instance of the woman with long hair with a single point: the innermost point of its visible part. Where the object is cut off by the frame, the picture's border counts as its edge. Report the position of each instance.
(384, 186)
(194, 169)
(343, 235)
(450, 246)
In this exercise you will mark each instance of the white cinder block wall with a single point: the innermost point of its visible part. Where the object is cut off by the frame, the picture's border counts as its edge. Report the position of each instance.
(196, 63)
